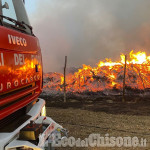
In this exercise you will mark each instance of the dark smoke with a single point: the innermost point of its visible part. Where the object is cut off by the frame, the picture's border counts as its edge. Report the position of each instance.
(89, 30)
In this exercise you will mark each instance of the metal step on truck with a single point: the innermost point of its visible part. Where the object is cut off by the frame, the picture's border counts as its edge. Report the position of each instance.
(23, 121)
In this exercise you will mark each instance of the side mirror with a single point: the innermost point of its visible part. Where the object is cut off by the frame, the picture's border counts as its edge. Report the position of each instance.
(5, 5)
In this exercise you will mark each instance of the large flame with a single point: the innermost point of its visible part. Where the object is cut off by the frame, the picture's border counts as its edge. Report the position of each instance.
(109, 75)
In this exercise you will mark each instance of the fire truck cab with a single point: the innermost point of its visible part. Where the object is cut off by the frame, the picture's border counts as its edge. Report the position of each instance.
(23, 122)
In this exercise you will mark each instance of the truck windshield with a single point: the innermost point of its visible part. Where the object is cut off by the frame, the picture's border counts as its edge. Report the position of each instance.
(15, 10)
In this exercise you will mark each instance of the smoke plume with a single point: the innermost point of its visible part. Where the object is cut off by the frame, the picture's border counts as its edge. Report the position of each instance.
(89, 30)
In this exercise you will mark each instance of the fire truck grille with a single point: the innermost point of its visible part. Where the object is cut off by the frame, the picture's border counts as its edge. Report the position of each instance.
(14, 92)
(10, 123)
(17, 99)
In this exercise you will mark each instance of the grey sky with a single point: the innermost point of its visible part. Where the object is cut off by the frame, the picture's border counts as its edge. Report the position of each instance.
(89, 30)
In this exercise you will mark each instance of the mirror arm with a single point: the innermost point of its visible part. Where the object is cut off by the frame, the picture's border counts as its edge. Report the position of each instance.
(0, 7)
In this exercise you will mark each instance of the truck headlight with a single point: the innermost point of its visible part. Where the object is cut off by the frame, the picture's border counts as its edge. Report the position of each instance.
(43, 112)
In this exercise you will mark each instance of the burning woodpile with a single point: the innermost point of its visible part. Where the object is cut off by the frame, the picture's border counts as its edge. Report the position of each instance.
(106, 76)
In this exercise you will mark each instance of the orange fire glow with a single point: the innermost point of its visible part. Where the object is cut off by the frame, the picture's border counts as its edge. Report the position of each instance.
(109, 75)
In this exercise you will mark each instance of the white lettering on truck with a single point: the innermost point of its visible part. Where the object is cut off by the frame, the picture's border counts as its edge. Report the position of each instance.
(1, 59)
(17, 40)
(19, 59)
(9, 85)
(1, 87)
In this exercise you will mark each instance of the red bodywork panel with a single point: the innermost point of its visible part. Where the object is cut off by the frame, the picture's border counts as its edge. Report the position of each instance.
(20, 70)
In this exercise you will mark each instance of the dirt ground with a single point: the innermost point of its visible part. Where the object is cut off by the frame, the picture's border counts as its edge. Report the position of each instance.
(115, 118)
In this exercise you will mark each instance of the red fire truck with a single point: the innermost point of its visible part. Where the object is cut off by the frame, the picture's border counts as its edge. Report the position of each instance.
(23, 122)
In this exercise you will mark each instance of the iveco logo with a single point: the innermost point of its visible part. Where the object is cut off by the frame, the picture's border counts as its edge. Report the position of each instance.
(17, 40)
